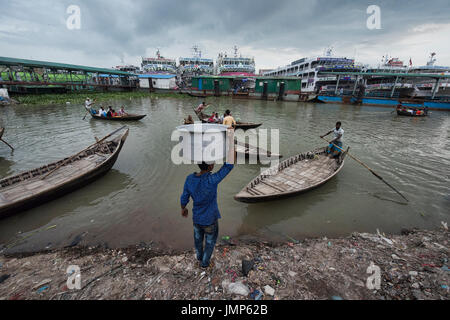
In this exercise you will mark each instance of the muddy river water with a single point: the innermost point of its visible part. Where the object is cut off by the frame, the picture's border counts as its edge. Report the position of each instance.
(138, 200)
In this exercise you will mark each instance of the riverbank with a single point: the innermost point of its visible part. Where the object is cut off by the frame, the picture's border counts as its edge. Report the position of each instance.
(413, 265)
(80, 97)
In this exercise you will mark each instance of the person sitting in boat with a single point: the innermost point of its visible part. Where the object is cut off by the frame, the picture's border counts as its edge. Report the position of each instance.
(110, 112)
(338, 132)
(189, 120)
(102, 112)
(122, 112)
(114, 113)
(201, 107)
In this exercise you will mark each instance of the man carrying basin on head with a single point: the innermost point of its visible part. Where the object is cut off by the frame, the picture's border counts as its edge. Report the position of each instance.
(202, 188)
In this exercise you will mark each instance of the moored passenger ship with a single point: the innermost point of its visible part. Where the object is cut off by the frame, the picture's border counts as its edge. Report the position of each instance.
(159, 65)
(196, 65)
(236, 65)
(310, 69)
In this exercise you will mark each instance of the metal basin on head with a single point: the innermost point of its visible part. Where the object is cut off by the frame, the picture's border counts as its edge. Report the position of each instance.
(203, 142)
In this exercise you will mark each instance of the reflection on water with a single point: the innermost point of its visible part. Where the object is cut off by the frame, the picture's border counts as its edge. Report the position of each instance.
(138, 201)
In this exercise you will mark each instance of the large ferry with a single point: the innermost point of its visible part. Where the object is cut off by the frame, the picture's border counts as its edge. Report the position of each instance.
(382, 85)
(310, 69)
(235, 65)
(196, 65)
(159, 65)
(128, 68)
(425, 88)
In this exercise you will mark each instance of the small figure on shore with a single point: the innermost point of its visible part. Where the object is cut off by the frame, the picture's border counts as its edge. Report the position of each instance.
(338, 132)
(229, 120)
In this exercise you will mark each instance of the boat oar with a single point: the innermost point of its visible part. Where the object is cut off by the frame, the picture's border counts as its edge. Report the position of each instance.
(373, 172)
(74, 156)
(7, 144)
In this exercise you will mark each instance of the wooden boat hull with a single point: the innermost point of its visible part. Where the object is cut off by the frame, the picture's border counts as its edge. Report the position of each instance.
(239, 125)
(407, 114)
(196, 95)
(250, 151)
(125, 118)
(266, 187)
(130, 117)
(32, 199)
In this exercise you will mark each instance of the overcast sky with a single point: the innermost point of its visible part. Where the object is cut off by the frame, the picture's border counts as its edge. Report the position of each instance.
(274, 32)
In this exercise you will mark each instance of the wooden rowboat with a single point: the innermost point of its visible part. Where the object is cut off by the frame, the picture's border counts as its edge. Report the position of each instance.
(196, 95)
(293, 176)
(408, 114)
(128, 117)
(239, 125)
(253, 151)
(34, 187)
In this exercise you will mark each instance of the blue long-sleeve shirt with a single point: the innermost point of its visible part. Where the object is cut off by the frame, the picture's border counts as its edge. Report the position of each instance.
(203, 190)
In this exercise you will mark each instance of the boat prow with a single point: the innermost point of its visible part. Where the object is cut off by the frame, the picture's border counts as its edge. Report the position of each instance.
(34, 187)
(296, 175)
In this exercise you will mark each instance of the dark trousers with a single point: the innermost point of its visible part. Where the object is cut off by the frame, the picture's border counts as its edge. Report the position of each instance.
(208, 235)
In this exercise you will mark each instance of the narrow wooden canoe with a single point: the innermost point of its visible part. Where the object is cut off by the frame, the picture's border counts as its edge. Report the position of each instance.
(239, 125)
(408, 114)
(293, 176)
(128, 117)
(31, 188)
(253, 151)
(197, 95)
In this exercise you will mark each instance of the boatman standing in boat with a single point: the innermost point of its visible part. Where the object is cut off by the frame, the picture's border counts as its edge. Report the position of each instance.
(88, 103)
(338, 135)
(202, 107)
(229, 120)
(202, 188)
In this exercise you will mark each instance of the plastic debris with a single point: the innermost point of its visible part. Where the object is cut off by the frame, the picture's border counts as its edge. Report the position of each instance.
(236, 288)
(247, 266)
(269, 290)
(42, 283)
(336, 298)
(4, 277)
(40, 290)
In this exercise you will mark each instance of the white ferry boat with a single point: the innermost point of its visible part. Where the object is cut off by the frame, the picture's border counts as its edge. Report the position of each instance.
(310, 69)
(196, 65)
(159, 65)
(425, 88)
(236, 65)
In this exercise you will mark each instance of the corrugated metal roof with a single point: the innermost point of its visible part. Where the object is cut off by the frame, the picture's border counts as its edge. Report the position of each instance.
(393, 74)
(156, 76)
(53, 65)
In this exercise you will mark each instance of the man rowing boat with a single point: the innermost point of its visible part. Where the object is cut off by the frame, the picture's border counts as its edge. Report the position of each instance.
(202, 107)
(337, 141)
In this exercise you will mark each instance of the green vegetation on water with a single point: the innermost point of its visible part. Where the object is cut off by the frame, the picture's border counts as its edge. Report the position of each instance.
(80, 97)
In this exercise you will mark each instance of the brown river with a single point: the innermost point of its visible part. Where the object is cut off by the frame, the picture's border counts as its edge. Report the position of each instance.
(138, 200)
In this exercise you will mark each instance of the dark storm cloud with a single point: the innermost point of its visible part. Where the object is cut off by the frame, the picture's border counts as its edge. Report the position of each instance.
(115, 28)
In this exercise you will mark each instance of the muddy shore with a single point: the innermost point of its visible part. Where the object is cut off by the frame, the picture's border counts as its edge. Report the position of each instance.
(413, 265)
